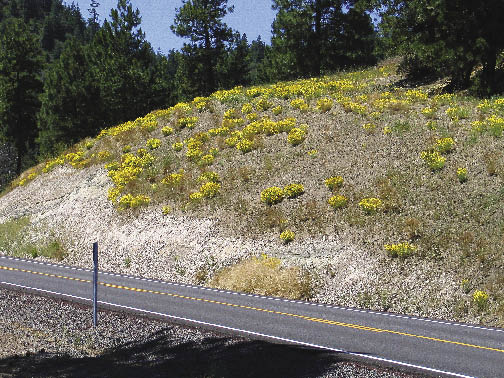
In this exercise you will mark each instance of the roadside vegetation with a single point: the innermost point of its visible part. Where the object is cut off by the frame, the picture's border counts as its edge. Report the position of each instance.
(412, 174)
(15, 240)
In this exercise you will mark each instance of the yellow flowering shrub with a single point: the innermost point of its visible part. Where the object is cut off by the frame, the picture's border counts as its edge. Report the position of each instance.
(462, 174)
(196, 196)
(207, 159)
(245, 145)
(369, 127)
(429, 112)
(166, 210)
(287, 236)
(324, 104)
(153, 143)
(232, 122)
(299, 104)
(219, 131)
(293, 190)
(178, 146)
(174, 178)
(167, 130)
(371, 205)
(354, 107)
(130, 201)
(201, 103)
(52, 163)
(272, 195)
(434, 159)
(456, 113)
(210, 189)
(209, 176)
(337, 201)
(445, 145)
(252, 116)
(443, 99)
(277, 110)
(401, 250)
(231, 95)
(334, 182)
(189, 122)
(296, 136)
(480, 298)
(416, 95)
(263, 104)
(126, 149)
(247, 108)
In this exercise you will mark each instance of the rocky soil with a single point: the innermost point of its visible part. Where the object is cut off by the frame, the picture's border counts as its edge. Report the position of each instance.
(42, 337)
(71, 205)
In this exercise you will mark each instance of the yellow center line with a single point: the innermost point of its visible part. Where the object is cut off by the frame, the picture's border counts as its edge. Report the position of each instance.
(308, 318)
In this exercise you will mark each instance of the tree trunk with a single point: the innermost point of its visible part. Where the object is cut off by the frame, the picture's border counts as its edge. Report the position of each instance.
(488, 82)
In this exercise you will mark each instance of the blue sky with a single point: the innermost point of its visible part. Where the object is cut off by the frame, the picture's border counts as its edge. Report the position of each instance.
(252, 17)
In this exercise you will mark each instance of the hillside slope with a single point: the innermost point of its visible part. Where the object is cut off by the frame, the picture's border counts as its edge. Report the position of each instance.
(393, 196)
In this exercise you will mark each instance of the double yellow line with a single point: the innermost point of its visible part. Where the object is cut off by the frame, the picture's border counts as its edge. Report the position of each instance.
(308, 318)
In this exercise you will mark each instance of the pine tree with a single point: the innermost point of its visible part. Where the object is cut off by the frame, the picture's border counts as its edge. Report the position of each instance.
(70, 102)
(201, 22)
(122, 64)
(20, 86)
(447, 38)
(313, 36)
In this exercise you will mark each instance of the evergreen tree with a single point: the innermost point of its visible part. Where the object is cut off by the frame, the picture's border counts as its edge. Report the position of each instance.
(20, 86)
(447, 38)
(201, 22)
(122, 64)
(70, 102)
(312, 36)
(234, 66)
(257, 54)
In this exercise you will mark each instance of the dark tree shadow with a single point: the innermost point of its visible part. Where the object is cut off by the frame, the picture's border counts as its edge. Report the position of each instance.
(162, 356)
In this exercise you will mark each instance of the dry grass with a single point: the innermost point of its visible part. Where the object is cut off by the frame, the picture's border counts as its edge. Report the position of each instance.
(265, 276)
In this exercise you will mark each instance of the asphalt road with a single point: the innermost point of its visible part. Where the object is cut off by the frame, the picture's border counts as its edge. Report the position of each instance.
(432, 346)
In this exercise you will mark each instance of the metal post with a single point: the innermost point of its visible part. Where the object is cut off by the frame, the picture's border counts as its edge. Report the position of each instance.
(95, 284)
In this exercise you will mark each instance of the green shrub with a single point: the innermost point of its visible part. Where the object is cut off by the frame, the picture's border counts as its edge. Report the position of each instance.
(480, 298)
(371, 205)
(434, 159)
(334, 182)
(337, 201)
(296, 136)
(293, 190)
(287, 236)
(272, 195)
(401, 250)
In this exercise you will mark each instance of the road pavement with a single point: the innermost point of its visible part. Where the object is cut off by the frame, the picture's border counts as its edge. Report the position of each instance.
(431, 346)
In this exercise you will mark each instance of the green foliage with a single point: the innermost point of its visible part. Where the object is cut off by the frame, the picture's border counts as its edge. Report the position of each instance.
(313, 36)
(446, 38)
(287, 236)
(293, 190)
(201, 22)
(272, 195)
(20, 86)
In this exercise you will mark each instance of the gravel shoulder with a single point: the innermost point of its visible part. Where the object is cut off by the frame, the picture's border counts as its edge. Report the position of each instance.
(44, 337)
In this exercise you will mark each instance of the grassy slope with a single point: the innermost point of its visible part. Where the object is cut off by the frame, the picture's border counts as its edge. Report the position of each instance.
(372, 135)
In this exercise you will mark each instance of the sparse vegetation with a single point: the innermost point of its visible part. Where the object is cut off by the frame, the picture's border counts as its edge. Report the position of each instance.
(265, 275)
(398, 184)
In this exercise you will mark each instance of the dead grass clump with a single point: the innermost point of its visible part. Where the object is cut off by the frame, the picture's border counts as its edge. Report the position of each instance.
(265, 276)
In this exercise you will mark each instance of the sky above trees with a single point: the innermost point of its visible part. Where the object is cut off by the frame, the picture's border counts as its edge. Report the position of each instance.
(253, 18)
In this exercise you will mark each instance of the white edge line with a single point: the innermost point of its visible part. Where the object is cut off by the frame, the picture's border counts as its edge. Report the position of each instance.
(349, 309)
(371, 357)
